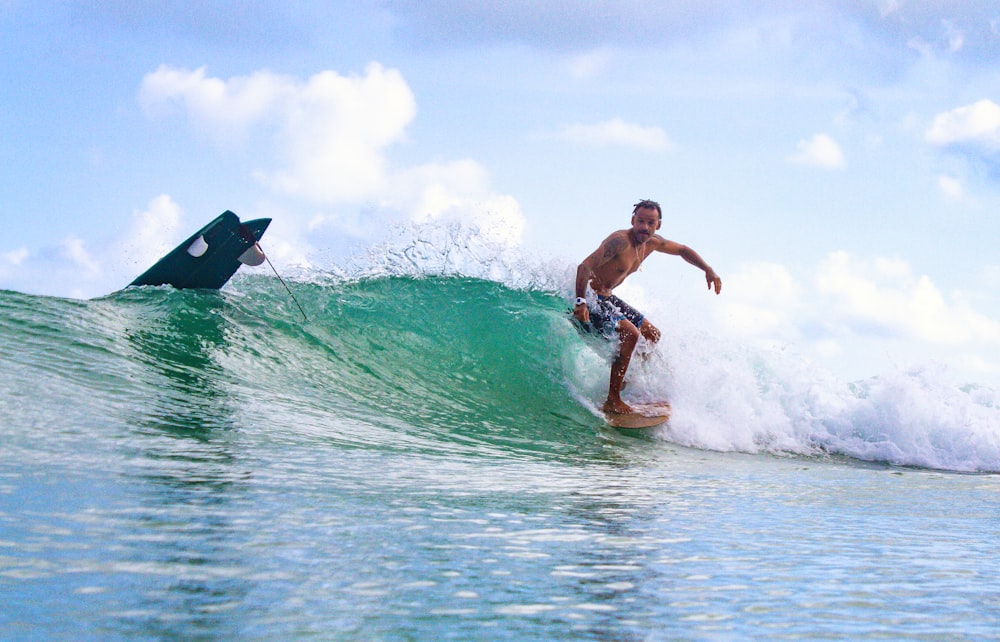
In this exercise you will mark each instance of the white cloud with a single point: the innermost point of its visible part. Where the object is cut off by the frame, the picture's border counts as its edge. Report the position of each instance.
(74, 251)
(956, 37)
(329, 135)
(12, 267)
(618, 132)
(819, 151)
(921, 46)
(974, 362)
(223, 109)
(885, 296)
(330, 131)
(153, 232)
(888, 7)
(953, 189)
(65, 268)
(975, 123)
(589, 64)
(16, 257)
(844, 303)
(333, 138)
(73, 267)
(457, 191)
(828, 348)
(762, 300)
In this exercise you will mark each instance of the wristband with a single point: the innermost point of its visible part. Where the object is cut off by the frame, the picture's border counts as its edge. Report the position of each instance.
(581, 301)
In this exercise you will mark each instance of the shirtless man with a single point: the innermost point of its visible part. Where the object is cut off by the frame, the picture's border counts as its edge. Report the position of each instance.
(620, 255)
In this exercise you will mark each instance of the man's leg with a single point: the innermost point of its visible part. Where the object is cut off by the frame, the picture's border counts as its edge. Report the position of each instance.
(650, 332)
(628, 335)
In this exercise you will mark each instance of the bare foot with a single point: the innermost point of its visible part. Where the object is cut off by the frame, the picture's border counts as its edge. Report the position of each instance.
(617, 407)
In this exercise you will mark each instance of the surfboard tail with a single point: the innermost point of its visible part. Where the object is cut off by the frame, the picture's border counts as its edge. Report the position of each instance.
(210, 256)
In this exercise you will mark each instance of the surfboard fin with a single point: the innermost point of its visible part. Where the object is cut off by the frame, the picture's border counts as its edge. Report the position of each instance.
(198, 248)
(252, 257)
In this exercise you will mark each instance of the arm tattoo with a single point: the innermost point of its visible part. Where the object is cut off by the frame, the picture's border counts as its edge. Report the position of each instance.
(612, 248)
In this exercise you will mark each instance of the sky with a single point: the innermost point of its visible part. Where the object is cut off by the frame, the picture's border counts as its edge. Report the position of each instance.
(836, 162)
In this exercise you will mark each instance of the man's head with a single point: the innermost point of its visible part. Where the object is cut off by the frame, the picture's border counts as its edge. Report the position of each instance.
(648, 204)
(645, 220)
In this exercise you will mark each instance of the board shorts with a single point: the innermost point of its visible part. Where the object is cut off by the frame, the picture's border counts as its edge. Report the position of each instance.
(607, 311)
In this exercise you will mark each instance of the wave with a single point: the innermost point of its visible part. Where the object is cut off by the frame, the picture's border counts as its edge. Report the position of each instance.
(459, 352)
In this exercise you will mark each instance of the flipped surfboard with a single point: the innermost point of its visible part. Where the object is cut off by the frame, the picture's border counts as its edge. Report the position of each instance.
(210, 256)
(643, 416)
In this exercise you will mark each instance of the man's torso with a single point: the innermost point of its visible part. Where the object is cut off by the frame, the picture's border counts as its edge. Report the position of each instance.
(626, 261)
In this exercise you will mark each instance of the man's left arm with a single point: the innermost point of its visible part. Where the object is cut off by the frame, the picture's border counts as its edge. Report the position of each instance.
(692, 257)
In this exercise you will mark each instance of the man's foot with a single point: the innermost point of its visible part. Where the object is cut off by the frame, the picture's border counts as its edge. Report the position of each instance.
(617, 407)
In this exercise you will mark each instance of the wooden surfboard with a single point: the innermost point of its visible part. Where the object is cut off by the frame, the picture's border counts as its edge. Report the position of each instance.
(645, 416)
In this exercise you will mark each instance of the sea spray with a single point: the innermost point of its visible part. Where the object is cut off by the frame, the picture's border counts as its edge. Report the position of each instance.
(449, 249)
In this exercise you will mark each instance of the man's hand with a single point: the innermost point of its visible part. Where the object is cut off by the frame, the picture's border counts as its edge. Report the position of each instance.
(581, 313)
(713, 280)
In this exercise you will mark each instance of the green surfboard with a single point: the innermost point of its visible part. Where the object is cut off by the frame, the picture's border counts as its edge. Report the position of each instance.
(209, 257)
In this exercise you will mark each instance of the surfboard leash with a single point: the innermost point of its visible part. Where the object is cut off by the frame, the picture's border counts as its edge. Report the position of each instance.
(287, 289)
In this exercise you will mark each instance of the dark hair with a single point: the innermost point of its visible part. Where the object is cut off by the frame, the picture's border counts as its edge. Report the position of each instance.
(653, 205)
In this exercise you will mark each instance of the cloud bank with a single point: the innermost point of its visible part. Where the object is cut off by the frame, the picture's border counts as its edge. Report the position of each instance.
(847, 298)
(885, 296)
(331, 136)
(330, 132)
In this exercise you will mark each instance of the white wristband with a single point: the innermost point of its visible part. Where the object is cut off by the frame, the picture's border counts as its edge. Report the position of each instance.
(581, 301)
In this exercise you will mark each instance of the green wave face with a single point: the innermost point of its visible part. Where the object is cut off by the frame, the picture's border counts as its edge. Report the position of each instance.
(426, 363)
(462, 357)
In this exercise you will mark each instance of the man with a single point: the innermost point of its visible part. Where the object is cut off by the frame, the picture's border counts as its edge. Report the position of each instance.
(620, 255)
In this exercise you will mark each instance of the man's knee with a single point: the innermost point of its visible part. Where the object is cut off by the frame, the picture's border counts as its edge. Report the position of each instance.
(628, 333)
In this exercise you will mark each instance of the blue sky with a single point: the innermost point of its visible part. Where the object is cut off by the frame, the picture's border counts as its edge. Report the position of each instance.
(838, 163)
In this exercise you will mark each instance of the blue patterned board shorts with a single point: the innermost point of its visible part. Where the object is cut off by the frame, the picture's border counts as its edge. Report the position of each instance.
(608, 311)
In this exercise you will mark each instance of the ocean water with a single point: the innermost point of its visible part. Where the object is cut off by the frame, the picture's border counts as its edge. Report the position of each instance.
(423, 459)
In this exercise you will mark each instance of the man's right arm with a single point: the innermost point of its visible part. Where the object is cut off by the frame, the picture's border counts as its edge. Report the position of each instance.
(583, 274)
(608, 250)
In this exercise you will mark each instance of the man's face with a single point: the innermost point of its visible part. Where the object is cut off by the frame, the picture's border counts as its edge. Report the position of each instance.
(645, 221)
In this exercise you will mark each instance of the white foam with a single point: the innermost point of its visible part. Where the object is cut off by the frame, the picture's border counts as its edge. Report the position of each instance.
(733, 397)
(729, 396)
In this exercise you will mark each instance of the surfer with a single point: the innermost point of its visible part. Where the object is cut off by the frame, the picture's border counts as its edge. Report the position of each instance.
(618, 256)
